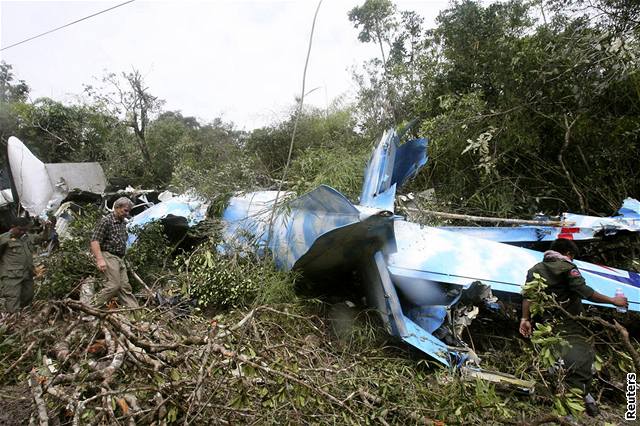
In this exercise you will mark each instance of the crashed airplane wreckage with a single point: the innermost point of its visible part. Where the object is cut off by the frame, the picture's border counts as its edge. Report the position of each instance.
(41, 187)
(574, 227)
(46, 188)
(413, 274)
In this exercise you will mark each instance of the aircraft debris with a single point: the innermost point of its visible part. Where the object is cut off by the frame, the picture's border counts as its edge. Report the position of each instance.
(41, 187)
(414, 275)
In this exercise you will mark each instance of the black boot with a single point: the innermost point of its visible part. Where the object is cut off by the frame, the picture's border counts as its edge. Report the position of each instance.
(590, 406)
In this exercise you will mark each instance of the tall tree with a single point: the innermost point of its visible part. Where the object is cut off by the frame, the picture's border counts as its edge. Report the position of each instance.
(127, 96)
(523, 115)
(12, 92)
(377, 23)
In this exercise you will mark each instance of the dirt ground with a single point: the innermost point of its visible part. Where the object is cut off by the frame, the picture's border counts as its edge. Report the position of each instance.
(16, 405)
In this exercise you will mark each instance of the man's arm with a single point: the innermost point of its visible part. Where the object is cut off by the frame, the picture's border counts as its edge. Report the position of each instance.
(525, 321)
(578, 284)
(98, 235)
(97, 253)
(616, 301)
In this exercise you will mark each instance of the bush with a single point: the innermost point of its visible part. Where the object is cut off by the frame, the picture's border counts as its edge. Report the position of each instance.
(225, 282)
(72, 261)
(150, 251)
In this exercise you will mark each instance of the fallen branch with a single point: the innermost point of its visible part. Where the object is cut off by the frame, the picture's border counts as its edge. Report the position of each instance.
(36, 391)
(137, 278)
(488, 219)
(149, 346)
(233, 355)
(617, 327)
(23, 356)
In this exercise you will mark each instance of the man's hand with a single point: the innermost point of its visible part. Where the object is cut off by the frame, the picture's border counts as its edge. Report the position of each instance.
(102, 265)
(525, 327)
(620, 301)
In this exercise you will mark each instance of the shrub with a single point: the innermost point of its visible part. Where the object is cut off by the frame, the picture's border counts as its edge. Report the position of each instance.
(225, 282)
(72, 261)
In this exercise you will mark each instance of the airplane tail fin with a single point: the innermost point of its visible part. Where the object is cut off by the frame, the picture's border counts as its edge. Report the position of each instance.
(390, 166)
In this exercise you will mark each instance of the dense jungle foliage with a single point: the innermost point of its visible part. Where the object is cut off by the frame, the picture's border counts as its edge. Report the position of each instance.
(529, 106)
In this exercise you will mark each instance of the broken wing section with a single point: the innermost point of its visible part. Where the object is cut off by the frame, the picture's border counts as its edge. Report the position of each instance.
(579, 227)
(428, 257)
(390, 166)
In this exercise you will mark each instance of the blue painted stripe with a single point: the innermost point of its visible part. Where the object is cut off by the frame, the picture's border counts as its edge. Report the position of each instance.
(632, 280)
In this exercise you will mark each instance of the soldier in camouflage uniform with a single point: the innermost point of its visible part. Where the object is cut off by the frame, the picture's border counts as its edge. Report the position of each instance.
(108, 245)
(568, 287)
(16, 267)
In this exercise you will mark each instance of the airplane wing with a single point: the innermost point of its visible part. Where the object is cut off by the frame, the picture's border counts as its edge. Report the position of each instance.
(581, 227)
(431, 255)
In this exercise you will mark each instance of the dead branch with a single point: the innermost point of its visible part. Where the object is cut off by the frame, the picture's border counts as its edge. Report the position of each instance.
(36, 391)
(116, 362)
(622, 332)
(487, 219)
(195, 396)
(617, 327)
(19, 360)
(149, 346)
(137, 278)
(233, 355)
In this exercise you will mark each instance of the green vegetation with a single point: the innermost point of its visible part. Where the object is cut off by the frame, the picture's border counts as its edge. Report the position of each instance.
(229, 282)
(528, 105)
(72, 262)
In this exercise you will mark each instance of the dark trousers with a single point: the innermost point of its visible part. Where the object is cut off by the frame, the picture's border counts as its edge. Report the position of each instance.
(578, 357)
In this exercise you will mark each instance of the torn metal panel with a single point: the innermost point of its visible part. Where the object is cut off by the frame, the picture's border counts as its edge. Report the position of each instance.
(628, 219)
(390, 166)
(80, 176)
(190, 207)
(42, 187)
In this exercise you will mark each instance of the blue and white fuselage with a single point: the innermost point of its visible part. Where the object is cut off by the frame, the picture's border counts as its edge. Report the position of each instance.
(407, 267)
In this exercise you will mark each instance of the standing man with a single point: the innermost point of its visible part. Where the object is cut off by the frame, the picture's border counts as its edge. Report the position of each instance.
(568, 288)
(108, 245)
(16, 266)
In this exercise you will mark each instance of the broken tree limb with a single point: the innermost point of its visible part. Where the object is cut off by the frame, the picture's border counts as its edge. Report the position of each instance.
(616, 326)
(111, 318)
(197, 394)
(36, 391)
(239, 357)
(137, 278)
(19, 360)
(488, 219)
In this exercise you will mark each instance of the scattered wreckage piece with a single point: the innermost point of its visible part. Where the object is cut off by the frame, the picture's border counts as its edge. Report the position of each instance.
(181, 211)
(571, 226)
(414, 275)
(41, 187)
